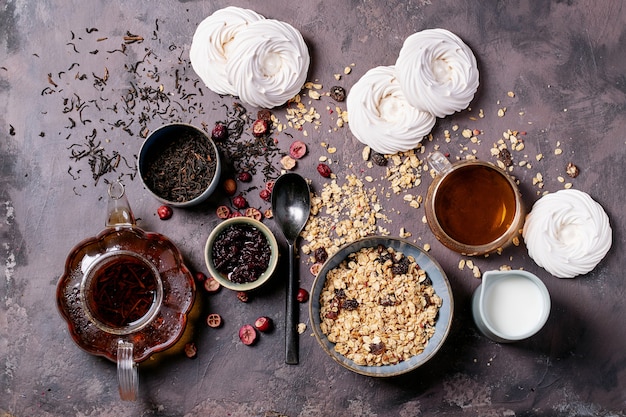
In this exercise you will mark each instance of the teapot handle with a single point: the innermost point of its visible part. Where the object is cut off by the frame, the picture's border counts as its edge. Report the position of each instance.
(127, 375)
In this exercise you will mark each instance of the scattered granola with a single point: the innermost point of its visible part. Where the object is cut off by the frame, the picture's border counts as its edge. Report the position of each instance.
(378, 307)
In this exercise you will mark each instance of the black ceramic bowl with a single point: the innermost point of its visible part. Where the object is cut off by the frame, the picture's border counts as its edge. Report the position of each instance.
(179, 165)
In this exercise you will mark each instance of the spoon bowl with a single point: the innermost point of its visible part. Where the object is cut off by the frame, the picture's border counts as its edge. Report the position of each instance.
(291, 206)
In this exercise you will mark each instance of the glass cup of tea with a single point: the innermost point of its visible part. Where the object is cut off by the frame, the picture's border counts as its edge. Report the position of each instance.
(472, 206)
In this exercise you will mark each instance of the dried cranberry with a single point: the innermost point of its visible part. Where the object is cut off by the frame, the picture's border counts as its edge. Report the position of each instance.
(240, 202)
(259, 128)
(165, 212)
(264, 114)
(265, 194)
(200, 277)
(244, 176)
(324, 170)
(337, 93)
(297, 149)
(219, 132)
(302, 296)
(243, 296)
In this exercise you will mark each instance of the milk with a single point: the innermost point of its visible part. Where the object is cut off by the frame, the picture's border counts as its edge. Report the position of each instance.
(513, 305)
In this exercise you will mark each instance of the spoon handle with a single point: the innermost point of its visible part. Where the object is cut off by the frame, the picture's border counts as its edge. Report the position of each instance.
(291, 313)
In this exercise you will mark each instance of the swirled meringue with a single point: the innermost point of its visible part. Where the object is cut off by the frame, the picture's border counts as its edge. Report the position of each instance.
(437, 71)
(269, 63)
(567, 233)
(380, 116)
(211, 44)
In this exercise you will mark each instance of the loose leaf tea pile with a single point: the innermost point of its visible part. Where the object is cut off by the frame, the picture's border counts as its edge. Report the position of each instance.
(183, 170)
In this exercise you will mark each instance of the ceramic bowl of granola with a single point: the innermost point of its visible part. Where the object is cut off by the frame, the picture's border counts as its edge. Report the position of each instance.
(381, 306)
(241, 253)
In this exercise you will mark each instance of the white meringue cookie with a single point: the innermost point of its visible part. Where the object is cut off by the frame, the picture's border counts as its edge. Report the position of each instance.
(567, 233)
(437, 71)
(268, 64)
(380, 116)
(211, 44)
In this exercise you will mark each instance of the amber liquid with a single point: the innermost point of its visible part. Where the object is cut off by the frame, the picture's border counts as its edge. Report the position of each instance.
(122, 292)
(475, 205)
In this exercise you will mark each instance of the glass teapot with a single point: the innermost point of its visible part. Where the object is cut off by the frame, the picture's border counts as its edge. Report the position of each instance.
(125, 293)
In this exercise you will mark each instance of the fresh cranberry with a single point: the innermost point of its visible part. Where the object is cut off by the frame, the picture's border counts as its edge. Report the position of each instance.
(263, 324)
(165, 212)
(244, 176)
(211, 285)
(219, 132)
(302, 296)
(259, 128)
(223, 212)
(269, 186)
(265, 194)
(247, 334)
(200, 277)
(297, 149)
(324, 170)
(254, 213)
(240, 202)
(214, 320)
(243, 296)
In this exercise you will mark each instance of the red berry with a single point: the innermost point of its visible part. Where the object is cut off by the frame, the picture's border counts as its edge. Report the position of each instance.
(259, 128)
(165, 212)
(254, 213)
(269, 186)
(297, 149)
(244, 176)
(324, 170)
(247, 334)
(211, 285)
(223, 212)
(302, 296)
(265, 194)
(219, 132)
(240, 202)
(200, 277)
(235, 214)
(214, 320)
(263, 324)
(242, 296)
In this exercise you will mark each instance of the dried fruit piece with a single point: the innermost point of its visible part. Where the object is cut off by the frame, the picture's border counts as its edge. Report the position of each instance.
(259, 128)
(211, 285)
(337, 93)
(302, 296)
(297, 149)
(572, 170)
(265, 194)
(320, 255)
(378, 158)
(288, 162)
(253, 213)
(243, 296)
(219, 132)
(263, 324)
(190, 350)
(240, 202)
(230, 186)
(269, 186)
(200, 277)
(165, 212)
(244, 176)
(247, 334)
(223, 212)
(214, 320)
(264, 114)
(324, 170)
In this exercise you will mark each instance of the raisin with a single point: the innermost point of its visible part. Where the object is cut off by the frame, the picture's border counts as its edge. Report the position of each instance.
(337, 93)
(320, 255)
(219, 132)
(378, 158)
(401, 267)
(377, 348)
(350, 304)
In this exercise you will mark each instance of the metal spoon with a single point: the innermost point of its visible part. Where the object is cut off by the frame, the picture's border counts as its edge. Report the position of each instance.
(291, 205)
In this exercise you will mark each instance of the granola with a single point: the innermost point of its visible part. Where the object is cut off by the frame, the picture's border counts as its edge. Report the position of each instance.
(378, 307)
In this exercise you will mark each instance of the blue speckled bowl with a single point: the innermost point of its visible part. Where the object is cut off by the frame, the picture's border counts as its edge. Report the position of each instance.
(440, 283)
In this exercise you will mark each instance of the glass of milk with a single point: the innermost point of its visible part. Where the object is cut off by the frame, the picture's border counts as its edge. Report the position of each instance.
(510, 305)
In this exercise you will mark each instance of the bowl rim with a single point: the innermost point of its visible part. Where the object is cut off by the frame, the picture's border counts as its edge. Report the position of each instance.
(271, 239)
(150, 140)
(442, 287)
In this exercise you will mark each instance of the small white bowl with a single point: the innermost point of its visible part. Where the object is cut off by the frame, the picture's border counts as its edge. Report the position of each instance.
(157, 141)
(223, 280)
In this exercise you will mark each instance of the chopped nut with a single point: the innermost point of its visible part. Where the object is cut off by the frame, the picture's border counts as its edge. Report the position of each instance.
(572, 170)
